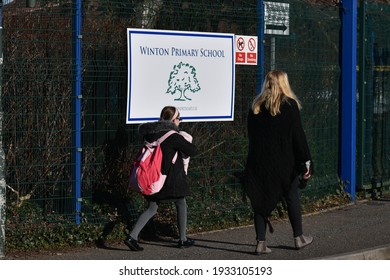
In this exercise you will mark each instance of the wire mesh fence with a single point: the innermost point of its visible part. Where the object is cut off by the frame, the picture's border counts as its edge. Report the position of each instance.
(375, 98)
(37, 104)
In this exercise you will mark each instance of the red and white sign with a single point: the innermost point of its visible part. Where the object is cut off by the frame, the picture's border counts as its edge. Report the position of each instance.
(246, 50)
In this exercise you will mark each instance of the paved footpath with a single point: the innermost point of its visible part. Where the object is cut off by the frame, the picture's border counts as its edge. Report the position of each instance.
(356, 231)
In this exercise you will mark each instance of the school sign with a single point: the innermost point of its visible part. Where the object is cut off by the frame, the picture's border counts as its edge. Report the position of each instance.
(192, 71)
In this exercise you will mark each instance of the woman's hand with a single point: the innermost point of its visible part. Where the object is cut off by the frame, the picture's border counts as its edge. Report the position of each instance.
(307, 175)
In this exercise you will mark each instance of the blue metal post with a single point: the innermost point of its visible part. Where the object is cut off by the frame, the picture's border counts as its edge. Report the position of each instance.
(77, 96)
(260, 42)
(348, 96)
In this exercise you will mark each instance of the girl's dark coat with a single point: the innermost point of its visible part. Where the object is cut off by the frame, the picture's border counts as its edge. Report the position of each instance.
(176, 185)
(277, 147)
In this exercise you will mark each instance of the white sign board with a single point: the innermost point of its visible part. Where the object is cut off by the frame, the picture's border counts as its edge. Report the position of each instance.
(246, 49)
(276, 18)
(192, 71)
(6, 2)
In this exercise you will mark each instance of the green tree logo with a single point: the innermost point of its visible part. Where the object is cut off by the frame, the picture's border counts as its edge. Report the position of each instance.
(181, 79)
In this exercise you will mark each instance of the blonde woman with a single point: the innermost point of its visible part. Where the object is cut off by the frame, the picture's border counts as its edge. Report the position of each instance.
(277, 150)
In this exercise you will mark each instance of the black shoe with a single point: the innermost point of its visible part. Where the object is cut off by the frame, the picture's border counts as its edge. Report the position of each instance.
(133, 244)
(185, 244)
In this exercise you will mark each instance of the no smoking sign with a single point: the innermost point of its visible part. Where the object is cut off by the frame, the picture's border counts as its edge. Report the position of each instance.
(246, 49)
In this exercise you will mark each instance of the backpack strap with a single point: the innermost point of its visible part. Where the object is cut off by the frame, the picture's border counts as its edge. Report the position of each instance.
(159, 140)
(165, 136)
(162, 139)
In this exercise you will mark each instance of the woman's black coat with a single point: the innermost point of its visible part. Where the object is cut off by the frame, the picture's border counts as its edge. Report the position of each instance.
(277, 147)
(175, 185)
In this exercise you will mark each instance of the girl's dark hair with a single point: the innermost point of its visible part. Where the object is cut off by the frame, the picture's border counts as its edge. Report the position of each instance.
(167, 113)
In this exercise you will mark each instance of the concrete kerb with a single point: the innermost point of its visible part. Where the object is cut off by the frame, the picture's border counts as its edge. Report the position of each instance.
(376, 253)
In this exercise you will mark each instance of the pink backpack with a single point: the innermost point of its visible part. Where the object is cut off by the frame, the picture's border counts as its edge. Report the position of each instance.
(145, 174)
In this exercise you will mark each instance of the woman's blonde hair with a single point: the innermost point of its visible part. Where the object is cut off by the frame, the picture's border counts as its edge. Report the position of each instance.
(274, 91)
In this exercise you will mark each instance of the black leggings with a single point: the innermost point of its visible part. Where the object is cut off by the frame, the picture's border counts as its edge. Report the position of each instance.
(294, 214)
